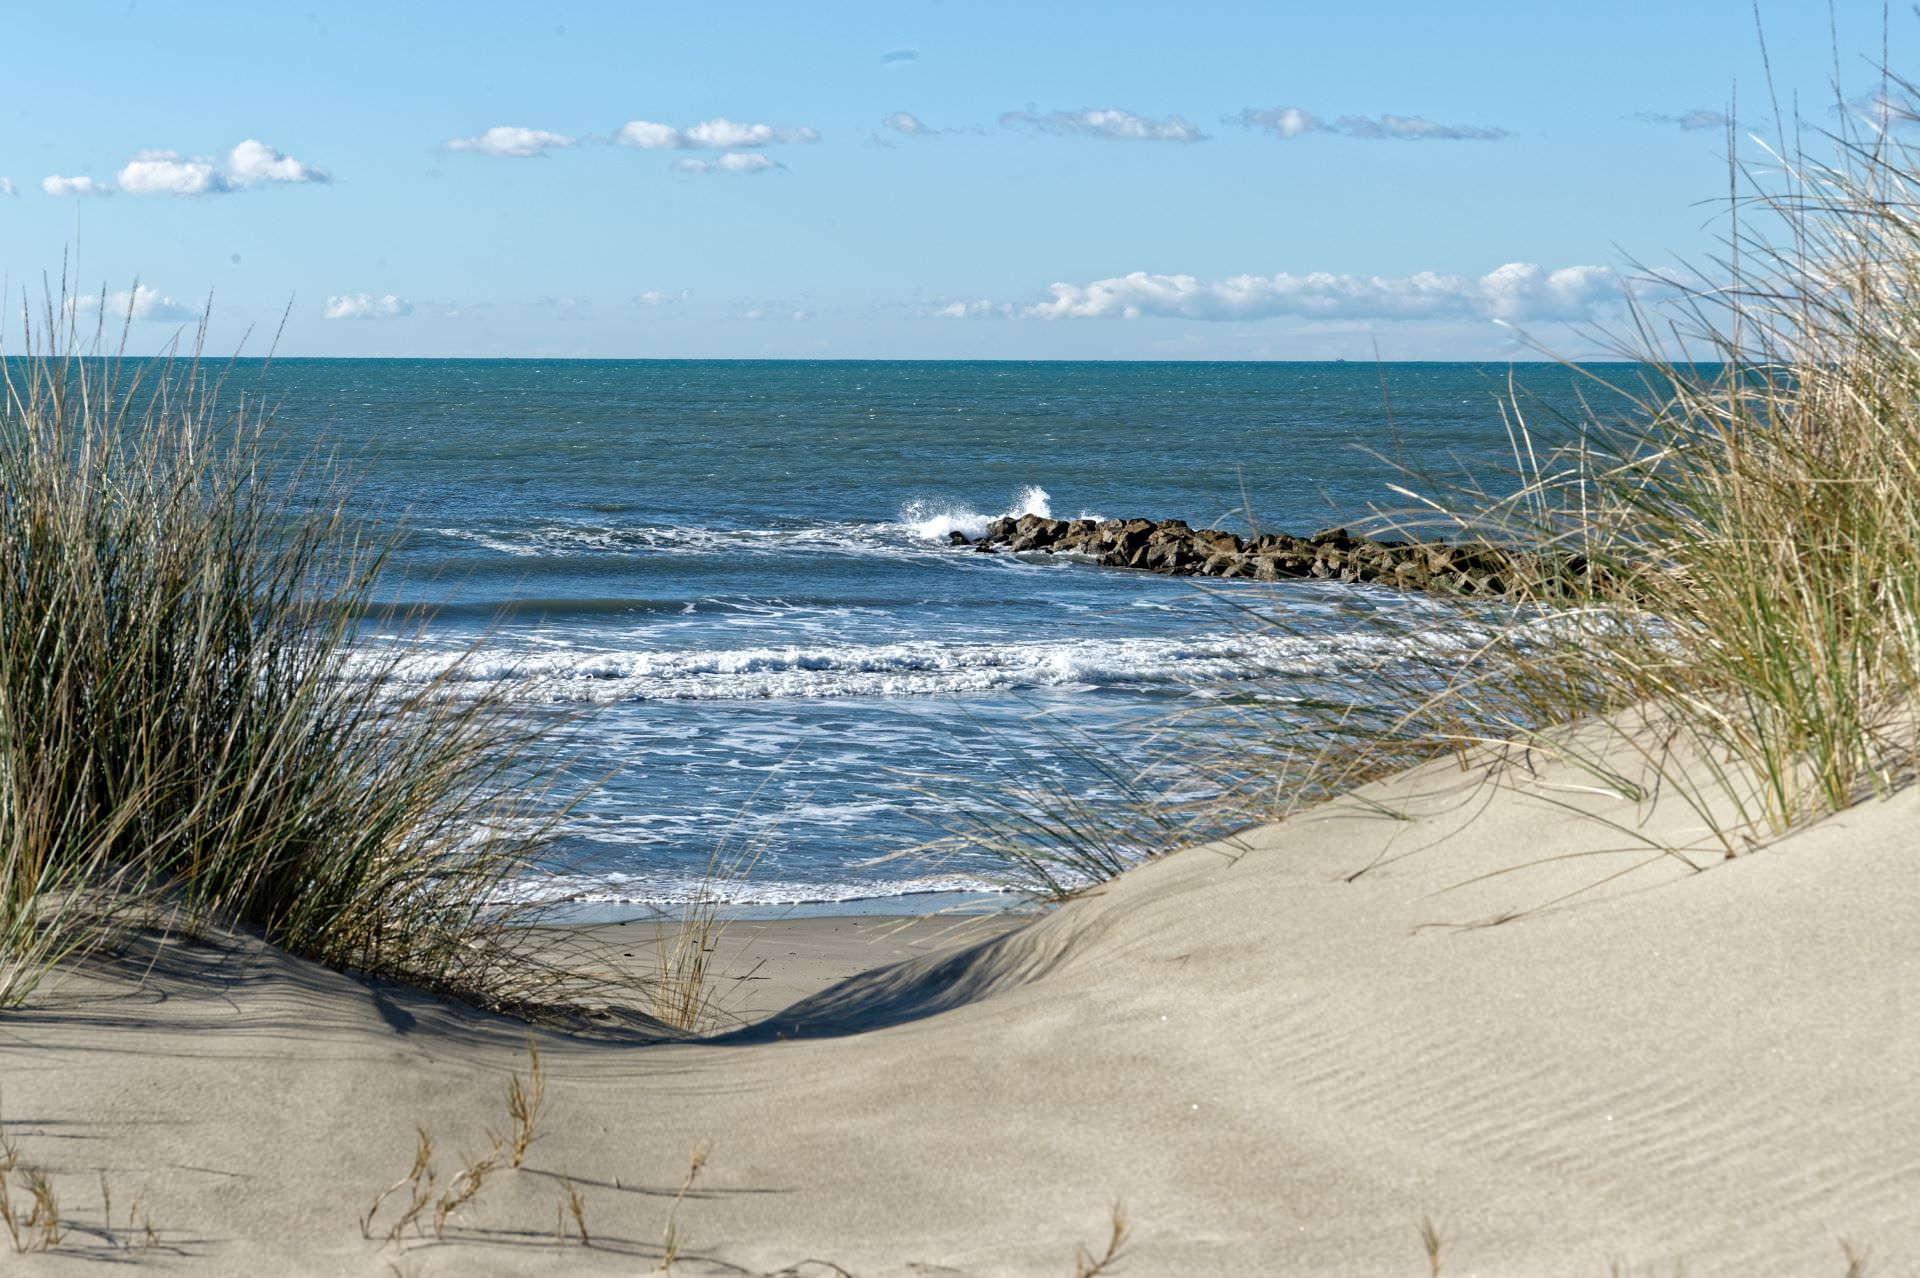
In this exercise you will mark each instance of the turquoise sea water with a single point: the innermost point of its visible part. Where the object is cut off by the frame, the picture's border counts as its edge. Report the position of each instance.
(743, 567)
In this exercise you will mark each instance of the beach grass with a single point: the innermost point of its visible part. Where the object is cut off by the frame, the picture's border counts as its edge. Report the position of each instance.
(1744, 624)
(193, 714)
(1734, 621)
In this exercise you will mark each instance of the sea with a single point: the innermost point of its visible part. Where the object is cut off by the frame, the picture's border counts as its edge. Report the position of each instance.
(732, 581)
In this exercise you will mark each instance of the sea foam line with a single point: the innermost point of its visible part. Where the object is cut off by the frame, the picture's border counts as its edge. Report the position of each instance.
(667, 890)
(921, 524)
(910, 667)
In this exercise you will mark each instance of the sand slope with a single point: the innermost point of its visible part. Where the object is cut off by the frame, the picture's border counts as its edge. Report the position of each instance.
(1277, 1053)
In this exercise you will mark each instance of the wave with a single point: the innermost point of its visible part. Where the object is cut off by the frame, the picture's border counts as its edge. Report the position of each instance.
(669, 890)
(555, 540)
(921, 524)
(931, 521)
(910, 667)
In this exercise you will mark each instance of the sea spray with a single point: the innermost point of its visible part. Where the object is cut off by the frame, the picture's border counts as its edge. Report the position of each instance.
(931, 522)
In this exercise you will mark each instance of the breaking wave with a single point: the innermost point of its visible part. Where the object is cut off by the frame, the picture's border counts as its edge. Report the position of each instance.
(913, 667)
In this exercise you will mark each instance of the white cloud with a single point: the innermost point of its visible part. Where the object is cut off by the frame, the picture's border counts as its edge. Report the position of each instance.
(730, 162)
(981, 309)
(54, 184)
(649, 136)
(1110, 123)
(508, 139)
(366, 306)
(724, 134)
(253, 162)
(140, 303)
(6, 187)
(168, 173)
(1690, 121)
(1287, 123)
(717, 134)
(657, 297)
(1518, 291)
(907, 123)
(1882, 111)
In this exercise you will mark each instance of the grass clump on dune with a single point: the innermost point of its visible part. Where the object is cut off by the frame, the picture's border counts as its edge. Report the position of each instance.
(1732, 618)
(1746, 632)
(192, 712)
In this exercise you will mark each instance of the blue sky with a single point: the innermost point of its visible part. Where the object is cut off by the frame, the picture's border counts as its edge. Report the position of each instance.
(899, 180)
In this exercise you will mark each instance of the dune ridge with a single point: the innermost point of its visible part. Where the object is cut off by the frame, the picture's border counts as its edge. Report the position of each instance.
(1278, 1052)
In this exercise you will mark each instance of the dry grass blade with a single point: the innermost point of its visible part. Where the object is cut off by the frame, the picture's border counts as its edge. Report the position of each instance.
(422, 1168)
(571, 1204)
(7, 1217)
(465, 1187)
(43, 1222)
(683, 992)
(523, 1104)
(670, 1239)
(1430, 1242)
(1087, 1265)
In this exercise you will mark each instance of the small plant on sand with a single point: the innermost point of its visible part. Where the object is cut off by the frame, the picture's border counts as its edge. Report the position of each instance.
(193, 702)
(1430, 1243)
(571, 1206)
(419, 1182)
(33, 1222)
(683, 992)
(524, 1097)
(431, 1204)
(1087, 1265)
(465, 1186)
(670, 1239)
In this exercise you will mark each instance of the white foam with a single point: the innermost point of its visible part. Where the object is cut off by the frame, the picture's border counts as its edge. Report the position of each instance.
(930, 522)
(914, 667)
(615, 887)
(920, 522)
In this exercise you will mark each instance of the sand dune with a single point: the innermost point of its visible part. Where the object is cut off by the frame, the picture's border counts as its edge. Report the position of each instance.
(1278, 1053)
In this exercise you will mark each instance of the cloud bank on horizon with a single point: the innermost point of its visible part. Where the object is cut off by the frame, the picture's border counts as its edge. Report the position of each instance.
(1289, 122)
(366, 306)
(138, 303)
(740, 144)
(1110, 123)
(1514, 292)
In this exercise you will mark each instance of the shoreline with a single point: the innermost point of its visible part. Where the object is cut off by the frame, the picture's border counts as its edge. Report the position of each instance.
(929, 904)
(758, 966)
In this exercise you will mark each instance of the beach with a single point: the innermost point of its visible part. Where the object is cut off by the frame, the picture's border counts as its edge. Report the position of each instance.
(912, 641)
(1277, 1055)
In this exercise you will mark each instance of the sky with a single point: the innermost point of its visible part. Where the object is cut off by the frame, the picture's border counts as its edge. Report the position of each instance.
(914, 179)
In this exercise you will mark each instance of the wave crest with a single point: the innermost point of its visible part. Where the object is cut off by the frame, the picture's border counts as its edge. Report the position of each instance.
(930, 522)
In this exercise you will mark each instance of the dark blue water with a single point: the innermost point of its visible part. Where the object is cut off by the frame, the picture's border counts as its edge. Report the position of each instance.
(742, 567)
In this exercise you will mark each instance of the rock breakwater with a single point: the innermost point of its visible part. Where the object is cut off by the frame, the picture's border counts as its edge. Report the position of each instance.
(1171, 547)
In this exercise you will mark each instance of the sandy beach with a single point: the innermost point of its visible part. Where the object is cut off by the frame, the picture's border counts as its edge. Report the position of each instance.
(1277, 1055)
(1280, 641)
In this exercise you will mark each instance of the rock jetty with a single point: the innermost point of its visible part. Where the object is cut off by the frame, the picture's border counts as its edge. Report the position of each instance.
(1170, 547)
